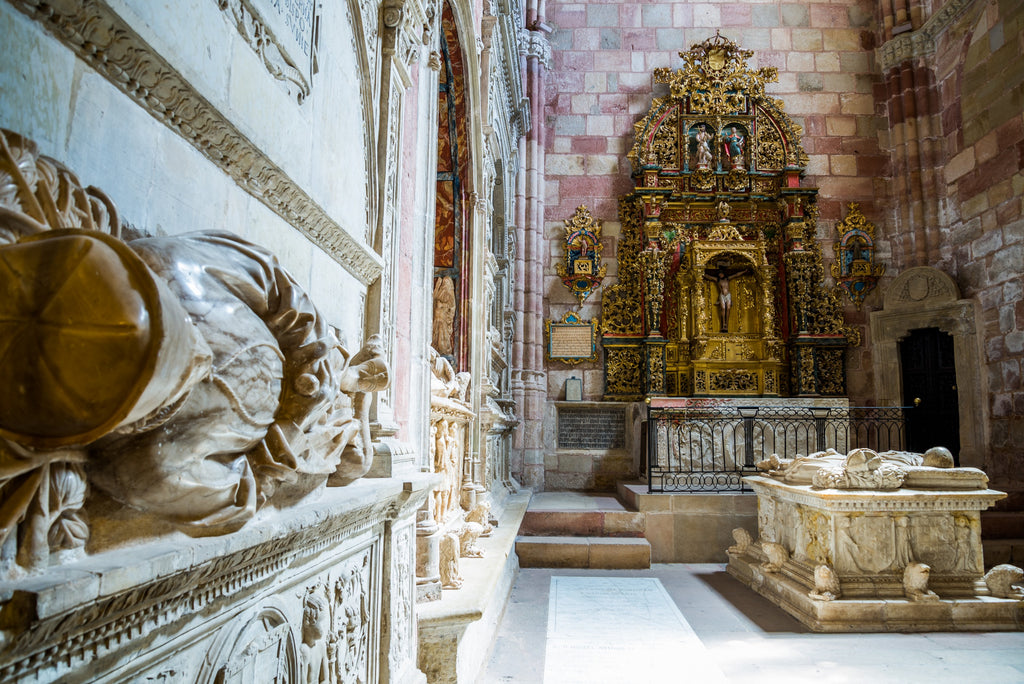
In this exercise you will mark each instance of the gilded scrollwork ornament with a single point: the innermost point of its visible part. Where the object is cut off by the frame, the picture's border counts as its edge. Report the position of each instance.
(582, 270)
(854, 269)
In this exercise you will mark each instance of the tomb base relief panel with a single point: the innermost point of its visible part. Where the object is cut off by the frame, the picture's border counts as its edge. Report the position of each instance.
(840, 556)
(295, 596)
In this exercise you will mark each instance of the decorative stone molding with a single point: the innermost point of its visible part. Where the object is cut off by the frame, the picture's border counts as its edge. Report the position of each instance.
(195, 600)
(920, 43)
(105, 41)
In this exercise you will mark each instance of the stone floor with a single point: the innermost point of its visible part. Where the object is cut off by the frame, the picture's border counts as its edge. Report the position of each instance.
(744, 637)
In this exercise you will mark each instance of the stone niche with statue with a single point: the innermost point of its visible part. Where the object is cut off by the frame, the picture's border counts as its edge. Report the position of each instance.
(720, 286)
(182, 444)
(876, 542)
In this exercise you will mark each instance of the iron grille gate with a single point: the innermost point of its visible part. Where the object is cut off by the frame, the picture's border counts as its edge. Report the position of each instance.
(710, 449)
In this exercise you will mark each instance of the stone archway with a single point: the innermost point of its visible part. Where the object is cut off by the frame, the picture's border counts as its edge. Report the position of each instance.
(924, 297)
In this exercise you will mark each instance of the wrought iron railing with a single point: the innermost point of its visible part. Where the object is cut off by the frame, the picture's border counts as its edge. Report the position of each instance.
(708, 449)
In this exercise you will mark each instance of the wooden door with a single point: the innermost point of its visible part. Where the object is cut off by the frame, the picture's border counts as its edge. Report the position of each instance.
(929, 386)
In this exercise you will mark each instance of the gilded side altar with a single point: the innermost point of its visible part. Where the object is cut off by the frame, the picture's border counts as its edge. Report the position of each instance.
(720, 286)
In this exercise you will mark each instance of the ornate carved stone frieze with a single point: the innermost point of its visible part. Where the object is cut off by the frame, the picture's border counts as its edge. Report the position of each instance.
(67, 629)
(100, 37)
(534, 43)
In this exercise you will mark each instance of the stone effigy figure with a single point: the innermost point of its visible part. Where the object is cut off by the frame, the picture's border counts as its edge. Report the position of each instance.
(864, 468)
(188, 377)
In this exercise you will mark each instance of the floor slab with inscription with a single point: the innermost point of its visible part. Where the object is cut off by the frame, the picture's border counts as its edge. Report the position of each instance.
(620, 629)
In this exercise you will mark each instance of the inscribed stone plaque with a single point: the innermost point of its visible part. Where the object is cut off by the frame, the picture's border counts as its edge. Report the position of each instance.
(591, 428)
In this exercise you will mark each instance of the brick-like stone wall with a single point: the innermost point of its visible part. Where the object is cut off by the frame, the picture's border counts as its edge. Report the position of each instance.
(980, 71)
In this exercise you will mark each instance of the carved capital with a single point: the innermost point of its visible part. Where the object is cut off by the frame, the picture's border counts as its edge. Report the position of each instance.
(920, 43)
(534, 44)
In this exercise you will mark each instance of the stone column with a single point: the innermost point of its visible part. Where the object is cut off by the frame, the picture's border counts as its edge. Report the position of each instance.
(916, 130)
(529, 377)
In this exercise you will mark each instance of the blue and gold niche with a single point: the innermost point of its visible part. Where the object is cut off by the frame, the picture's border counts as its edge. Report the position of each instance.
(854, 267)
(582, 270)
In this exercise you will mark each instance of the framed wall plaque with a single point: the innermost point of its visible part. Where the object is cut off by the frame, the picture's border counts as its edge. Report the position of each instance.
(572, 340)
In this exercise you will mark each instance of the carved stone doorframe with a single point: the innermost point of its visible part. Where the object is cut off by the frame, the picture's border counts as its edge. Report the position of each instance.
(924, 297)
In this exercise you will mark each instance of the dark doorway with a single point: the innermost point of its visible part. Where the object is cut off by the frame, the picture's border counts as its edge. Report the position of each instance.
(929, 387)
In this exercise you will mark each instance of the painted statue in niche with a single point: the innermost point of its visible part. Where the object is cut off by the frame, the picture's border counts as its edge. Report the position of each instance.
(443, 333)
(187, 377)
(582, 270)
(702, 155)
(854, 269)
(733, 142)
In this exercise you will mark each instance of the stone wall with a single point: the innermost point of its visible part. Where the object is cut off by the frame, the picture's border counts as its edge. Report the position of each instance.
(980, 75)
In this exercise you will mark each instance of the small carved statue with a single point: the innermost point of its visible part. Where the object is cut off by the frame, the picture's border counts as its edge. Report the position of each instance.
(1006, 581)
(468, 534)
(450, 577)
(743, 542)
(826, 584)
(315, 661)
(480, 515)
(915, 583)
(732, 147)
(444, 316)
(444, 381)
(777, 556)
(703, 147)
(964, 560)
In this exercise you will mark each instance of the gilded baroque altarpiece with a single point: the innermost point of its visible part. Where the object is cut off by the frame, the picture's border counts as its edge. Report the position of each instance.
(720, 278)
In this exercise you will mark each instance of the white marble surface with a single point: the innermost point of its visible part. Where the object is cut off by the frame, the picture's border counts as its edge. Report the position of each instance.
(620, 629)
(752, 640)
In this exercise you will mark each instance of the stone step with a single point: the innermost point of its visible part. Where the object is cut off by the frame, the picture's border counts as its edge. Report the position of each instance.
(569, 523)
(609, 553)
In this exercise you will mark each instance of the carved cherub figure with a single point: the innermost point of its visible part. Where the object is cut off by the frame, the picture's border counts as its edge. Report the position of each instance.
(315, 661)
